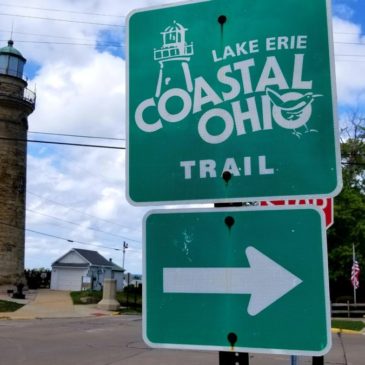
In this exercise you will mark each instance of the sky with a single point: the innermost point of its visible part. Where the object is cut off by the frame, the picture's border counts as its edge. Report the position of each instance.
(75, 51)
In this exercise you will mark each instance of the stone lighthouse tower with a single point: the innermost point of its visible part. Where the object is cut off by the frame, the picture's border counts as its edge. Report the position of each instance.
(16, 103)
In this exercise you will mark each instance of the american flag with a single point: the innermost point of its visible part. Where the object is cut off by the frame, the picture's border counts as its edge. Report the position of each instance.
(355, 273)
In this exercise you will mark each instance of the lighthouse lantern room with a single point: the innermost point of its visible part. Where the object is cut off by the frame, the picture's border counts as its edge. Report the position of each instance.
(11, 61)
(174, 44)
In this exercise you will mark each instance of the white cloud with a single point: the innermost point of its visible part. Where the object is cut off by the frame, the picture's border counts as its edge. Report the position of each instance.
(76, 99)
(350, 68)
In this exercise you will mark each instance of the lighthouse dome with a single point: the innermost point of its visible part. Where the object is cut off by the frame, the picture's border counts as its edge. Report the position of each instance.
(175, 27)
(11, 61)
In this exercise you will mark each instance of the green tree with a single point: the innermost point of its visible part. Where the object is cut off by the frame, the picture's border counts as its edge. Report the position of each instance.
(349, 213)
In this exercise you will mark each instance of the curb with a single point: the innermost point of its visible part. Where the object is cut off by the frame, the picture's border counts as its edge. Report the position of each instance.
(348, 332)
(5, 316)
(8, 316)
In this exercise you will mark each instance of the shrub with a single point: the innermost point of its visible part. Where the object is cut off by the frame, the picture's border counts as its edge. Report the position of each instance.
(38, 278)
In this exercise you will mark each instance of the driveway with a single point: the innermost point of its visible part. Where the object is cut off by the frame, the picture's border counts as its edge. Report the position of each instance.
(46, 303)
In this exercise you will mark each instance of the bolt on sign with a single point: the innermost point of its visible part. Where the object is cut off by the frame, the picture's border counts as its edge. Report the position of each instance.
(231, 100)
(247, 280)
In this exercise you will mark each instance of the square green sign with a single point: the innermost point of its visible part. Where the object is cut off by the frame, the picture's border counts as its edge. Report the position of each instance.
(248, 280)
(231, 100)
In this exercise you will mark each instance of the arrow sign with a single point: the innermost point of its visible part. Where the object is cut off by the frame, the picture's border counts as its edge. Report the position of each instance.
(265, 280)
(258, 273)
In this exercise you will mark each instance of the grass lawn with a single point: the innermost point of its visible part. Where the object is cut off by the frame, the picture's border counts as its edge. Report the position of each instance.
(92, 297)
(6, 306)
(348, 325)
(86, 297)
(129, 310)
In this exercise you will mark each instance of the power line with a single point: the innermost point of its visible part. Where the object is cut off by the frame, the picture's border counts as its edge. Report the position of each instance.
(69, 240)
(353, 43)
(49, 36)
(87, 13)
(58, 237)
(78, 211)
(79, 225)
(122, 45)
(99, 14)
(349, 33)
(62, 20)
(77, 136)
(118, 44)
(111, 44)
(65, 37)
(62, 10)
(350, 55)
(62, 143)
(356, 61)
(92, 39)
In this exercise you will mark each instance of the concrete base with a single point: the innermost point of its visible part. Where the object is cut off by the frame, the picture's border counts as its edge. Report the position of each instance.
(108, 304)
(109, 301)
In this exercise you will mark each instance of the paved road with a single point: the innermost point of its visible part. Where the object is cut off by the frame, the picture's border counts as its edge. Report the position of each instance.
(117, 341)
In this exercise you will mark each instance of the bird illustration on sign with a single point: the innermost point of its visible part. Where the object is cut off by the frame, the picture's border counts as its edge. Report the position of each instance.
(292, 110)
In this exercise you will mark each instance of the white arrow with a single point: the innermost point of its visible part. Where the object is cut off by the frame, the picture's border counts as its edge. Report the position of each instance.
(265, 280)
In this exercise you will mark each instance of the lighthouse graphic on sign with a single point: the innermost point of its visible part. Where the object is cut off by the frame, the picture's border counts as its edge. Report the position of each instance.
(173, 58)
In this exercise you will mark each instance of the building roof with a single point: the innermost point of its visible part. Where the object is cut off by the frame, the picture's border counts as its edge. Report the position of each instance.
(92, 257)
(116, 267)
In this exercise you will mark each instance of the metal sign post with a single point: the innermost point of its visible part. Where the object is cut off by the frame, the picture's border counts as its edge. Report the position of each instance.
(225, 357)
(233, 358)
(317, 360)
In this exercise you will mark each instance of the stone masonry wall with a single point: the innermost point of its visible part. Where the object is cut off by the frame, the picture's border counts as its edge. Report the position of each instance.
(13, 124)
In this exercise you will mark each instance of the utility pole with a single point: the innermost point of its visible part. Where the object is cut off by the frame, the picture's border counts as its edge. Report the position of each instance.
(125, 246)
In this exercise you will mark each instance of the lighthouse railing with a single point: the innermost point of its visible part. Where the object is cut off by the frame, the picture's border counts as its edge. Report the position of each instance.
(8, 90)
(29, 96)
(165, 53)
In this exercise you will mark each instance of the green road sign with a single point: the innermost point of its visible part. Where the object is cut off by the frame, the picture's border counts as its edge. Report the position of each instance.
(231, 100)
(248, 280)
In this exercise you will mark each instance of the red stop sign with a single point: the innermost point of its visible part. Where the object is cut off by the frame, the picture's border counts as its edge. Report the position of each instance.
(326, 204)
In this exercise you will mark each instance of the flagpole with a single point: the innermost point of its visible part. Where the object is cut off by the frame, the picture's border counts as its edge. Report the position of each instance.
(353, 260)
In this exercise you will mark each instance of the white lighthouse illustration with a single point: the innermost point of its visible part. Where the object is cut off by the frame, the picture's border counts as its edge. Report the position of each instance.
(174, 55)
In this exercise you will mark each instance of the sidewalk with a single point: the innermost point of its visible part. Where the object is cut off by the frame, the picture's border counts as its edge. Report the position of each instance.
(46, 303)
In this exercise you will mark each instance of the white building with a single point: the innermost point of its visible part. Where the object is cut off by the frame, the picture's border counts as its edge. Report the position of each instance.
(82, 269)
